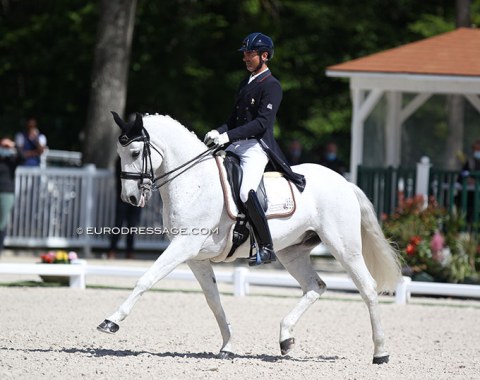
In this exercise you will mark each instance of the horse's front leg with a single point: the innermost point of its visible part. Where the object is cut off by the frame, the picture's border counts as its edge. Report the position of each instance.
(179, 251)
(203, 272)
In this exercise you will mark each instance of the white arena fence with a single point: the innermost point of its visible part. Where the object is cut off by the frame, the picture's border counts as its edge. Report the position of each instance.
(52, 203)
(240, 277)
(56, 206)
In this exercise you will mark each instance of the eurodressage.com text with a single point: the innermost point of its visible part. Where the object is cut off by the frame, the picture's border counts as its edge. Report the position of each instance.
(146, 231)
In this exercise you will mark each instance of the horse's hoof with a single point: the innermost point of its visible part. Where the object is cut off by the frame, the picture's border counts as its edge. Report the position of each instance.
(225, 355)
(108, 327)
(381, 359)
(287, 345)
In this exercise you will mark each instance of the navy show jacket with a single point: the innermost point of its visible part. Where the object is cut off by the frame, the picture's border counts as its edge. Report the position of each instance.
(253, 117)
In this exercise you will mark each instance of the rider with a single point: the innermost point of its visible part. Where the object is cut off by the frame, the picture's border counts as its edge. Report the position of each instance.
(249, 131)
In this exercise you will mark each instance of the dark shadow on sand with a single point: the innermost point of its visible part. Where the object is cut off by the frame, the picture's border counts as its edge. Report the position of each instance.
(105, 352)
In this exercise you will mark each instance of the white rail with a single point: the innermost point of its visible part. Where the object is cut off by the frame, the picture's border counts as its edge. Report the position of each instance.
(240, 277)
(76, 271)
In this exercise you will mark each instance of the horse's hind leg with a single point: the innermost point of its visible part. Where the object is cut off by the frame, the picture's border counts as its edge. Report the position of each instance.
(348, 251)
(356, 268)
(204, 274)
(296, 261)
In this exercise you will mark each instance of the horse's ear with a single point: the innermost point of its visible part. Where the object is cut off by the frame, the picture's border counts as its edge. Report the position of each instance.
(137, 125)
(119, 121)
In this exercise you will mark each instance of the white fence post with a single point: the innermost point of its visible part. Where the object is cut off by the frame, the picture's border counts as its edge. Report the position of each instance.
(240, 282)
(79, 281)
(402, 293)
(88, 208)
(423, 173)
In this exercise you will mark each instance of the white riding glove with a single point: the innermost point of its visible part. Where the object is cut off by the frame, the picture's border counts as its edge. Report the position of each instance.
(210, 137)
(222, 139)
(216, 138)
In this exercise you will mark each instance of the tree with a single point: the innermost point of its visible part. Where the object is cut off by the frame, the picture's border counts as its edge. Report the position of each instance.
(456, 103)
(109, 80)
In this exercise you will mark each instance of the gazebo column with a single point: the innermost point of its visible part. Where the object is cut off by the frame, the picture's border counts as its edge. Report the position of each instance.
(362, 107)
(396, 116)
(393, 137)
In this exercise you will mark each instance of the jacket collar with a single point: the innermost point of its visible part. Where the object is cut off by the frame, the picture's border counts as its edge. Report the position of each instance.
(264, 76)
(260, 76)
(254, 83)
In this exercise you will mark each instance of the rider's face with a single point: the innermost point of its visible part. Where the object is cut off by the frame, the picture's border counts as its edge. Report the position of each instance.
(251, 59)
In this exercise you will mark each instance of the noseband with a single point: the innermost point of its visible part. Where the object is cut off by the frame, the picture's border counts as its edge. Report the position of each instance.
(147, 167)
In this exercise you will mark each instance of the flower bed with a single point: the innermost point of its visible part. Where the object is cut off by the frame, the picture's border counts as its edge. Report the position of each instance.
(433, 243)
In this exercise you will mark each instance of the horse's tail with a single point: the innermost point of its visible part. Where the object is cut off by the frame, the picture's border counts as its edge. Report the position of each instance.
(382, 260)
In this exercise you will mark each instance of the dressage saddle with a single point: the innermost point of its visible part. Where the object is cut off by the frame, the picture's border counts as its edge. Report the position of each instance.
(243, 229)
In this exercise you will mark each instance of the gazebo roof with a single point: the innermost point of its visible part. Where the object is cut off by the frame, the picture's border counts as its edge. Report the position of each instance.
(455, 53)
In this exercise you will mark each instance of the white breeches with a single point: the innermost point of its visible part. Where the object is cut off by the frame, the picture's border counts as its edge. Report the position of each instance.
(253, 160)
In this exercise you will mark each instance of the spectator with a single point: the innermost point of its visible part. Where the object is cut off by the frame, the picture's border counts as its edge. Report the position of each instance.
(295, 152)
(472, 164)
(31, 142)
(10, 158)
(331, 160)
(125, 213)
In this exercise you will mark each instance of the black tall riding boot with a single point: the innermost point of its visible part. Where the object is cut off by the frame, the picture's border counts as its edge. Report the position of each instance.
(259, 223)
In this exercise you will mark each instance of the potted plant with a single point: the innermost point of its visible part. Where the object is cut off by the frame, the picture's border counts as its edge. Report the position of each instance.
(57, 257)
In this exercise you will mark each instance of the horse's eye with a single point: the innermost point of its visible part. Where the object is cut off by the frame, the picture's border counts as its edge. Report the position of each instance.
(136, 154)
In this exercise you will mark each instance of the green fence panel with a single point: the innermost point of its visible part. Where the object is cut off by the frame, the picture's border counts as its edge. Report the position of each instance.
(451, 191)
(382, 186)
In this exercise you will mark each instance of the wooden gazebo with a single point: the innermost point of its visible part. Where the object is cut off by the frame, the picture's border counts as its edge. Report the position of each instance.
(445, 64)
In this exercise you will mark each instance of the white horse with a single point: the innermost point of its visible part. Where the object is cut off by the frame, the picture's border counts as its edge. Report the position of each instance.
(330, 209)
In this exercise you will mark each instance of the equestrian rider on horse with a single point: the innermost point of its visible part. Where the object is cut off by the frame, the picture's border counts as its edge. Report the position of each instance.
(249, 133)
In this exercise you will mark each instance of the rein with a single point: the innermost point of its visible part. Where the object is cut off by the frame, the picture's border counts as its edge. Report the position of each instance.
(147, 173)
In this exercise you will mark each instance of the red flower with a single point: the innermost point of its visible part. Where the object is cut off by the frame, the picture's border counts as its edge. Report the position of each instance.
(415, 240)
(410, 249)
(48, 257)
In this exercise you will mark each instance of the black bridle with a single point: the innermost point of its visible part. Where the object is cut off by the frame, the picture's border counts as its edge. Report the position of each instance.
(147, 167)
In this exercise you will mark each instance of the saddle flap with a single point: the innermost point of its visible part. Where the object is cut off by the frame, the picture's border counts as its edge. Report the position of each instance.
(231, 162)
(281, 203)
(275, 192)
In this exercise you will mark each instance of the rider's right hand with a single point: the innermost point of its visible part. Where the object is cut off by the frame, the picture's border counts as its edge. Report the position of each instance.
(210, 137)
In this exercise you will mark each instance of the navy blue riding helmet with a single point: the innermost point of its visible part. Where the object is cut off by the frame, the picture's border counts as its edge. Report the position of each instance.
(259, 42)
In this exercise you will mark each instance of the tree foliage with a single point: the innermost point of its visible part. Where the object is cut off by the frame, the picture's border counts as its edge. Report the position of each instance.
(185, 63)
